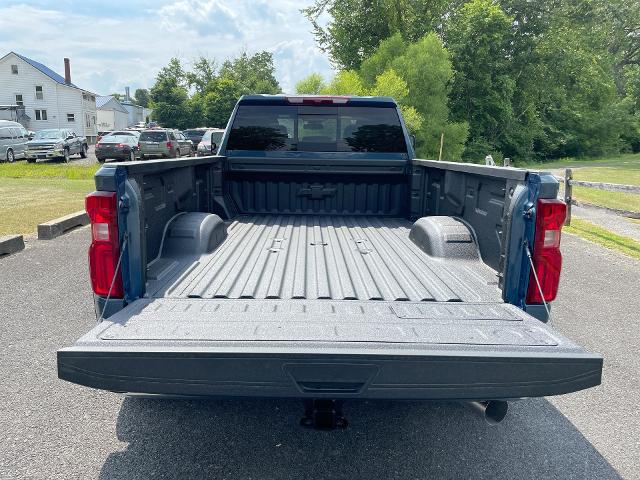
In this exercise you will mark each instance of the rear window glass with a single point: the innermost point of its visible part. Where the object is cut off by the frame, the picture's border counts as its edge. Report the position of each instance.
(317, 129)
(117, 139)
(153, 136)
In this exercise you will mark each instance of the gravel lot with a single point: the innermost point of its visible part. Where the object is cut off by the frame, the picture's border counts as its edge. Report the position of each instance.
(53, 429)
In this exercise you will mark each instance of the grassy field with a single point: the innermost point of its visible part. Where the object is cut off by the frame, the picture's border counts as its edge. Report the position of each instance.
(34, 193)
(623, 169)
(596, 234)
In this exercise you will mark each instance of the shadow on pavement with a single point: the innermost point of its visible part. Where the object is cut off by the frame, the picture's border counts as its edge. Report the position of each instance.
(262, 439)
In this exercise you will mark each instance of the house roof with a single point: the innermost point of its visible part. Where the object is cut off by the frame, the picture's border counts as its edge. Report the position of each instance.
(46, 70)
(101, 101)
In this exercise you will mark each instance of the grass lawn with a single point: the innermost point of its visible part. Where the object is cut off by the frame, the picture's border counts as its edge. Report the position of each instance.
(26, 202)
(67, 171)
(626, 161)
(596, 234)
(623, 169)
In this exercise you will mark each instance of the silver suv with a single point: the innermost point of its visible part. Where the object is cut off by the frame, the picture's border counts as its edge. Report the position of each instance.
(164, 143)
(13, 141)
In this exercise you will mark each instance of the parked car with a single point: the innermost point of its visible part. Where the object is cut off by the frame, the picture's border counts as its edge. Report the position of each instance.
(326, 262)
(163, 143)
(210, 142)
(195, 135)
(118, 146)
(56, 143)
(133, 133)
(13, 141)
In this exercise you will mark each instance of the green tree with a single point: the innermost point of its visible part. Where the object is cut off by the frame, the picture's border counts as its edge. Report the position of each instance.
(203, 72)
(312, 84)
(479, 39)
(169, 97)
(118, 96)
(346, 82)
(357, 27)
(142, 97)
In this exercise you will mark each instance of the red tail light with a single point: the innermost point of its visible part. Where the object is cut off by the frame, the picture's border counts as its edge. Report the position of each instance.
(547, 259)
(169, 145)
(102, 208)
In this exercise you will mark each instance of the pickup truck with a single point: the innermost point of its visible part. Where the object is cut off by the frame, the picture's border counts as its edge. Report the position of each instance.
(315, 257)
(56, 143)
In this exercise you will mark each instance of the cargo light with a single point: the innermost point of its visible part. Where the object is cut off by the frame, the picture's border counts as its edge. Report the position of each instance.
(318, 100)
(546, 257)
(102, 208)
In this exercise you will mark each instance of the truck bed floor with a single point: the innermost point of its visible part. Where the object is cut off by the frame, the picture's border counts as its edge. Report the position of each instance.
(323, 257)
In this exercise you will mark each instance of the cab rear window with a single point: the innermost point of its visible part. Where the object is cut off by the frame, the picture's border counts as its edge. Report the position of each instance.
(316, 129)
(153, 136)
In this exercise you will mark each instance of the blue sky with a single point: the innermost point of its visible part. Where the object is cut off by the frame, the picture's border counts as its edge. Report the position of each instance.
(115, 43)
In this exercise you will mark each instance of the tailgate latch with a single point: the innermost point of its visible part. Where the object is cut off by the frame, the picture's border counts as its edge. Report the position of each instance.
(316, 192)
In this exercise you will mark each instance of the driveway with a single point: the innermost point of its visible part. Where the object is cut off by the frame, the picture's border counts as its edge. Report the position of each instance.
(52, 429)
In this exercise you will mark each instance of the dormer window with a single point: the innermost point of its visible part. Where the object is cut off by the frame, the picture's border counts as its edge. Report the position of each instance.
(14, 69)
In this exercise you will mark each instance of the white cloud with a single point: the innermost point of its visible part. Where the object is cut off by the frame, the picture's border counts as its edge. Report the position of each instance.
(127, 46)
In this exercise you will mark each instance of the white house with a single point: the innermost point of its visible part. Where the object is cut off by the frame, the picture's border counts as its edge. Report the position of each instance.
(111, 114)
(49, 99)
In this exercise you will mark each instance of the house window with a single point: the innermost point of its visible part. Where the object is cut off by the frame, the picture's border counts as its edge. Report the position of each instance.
(14, 69)
(39, 95)
(87, 119)
(19, 100)
(41, 114)
(71, 117)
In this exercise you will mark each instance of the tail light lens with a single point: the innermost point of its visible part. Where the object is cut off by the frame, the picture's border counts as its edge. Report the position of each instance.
(102, 208)
(547, 259)
(169, 145)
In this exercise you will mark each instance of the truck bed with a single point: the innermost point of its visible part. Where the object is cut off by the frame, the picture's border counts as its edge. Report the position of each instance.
(322, 257)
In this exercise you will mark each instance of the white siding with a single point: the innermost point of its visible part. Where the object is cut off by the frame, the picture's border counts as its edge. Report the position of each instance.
(109, 119)
(58, 99)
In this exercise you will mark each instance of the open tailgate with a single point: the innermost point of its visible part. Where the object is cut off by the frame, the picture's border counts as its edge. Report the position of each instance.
(322, 348)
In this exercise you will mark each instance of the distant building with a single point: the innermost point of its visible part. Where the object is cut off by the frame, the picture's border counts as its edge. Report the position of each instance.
(44, 99)
(136, 112)
(112, 115)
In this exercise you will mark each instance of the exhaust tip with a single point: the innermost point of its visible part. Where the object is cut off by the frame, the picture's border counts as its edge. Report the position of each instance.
(493, 411)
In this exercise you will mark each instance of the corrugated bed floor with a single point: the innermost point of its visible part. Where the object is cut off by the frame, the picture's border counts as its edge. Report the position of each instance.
(327, 257)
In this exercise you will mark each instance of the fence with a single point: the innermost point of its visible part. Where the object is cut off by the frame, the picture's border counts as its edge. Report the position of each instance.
(569, 183)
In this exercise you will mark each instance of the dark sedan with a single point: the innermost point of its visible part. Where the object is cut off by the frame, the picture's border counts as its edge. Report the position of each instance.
(118, 147)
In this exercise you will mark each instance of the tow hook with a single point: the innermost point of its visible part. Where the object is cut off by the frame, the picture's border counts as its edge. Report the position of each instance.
(323, 414)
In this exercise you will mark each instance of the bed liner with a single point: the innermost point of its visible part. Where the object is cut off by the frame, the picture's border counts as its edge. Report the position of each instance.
(322, 257)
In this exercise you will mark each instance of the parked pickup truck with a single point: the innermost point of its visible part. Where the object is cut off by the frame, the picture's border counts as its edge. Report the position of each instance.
(316, 257)
(56, 143)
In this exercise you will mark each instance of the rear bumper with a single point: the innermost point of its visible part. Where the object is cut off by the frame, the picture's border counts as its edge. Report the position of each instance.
(444, 375)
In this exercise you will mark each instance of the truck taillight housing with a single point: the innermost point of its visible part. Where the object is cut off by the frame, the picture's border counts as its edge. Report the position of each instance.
(102, 208)
(547, 259)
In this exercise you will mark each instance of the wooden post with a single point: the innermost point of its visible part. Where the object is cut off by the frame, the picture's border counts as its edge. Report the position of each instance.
(568, 191)
(441, 145)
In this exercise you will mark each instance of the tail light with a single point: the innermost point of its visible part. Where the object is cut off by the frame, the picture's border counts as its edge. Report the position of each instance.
(121, 145)
(547, 259)
(169, 145)
(102, 208)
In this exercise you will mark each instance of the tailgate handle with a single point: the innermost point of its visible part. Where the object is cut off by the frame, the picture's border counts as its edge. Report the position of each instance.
(331, 387)
(335, 378)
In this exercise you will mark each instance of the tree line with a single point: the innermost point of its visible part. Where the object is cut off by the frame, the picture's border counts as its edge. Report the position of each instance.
(525, 79)
(205, 94)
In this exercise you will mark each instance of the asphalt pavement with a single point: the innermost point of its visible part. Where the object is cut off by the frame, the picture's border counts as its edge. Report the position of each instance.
(53, 429)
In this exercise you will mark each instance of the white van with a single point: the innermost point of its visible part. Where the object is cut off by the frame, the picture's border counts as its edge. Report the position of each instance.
(13, 141)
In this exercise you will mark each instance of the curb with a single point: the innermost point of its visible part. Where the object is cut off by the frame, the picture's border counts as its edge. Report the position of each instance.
(11, 244)
(59, 226)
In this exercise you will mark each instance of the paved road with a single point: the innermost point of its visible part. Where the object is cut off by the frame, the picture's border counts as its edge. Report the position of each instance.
(52, 429)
